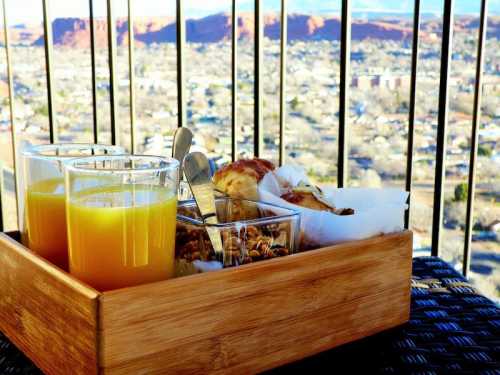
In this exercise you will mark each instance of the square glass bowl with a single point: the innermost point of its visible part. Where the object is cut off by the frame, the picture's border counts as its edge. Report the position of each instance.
(250, 231)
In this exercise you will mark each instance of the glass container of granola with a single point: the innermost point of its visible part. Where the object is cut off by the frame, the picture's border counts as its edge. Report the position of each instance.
(251, 231)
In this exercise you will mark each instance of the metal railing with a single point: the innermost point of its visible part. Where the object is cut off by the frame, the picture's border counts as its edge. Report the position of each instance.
(113, 92)
(476, 115)
(343, 128)
(48, 45)
(345, 60)
(95, 129)
(181, 42)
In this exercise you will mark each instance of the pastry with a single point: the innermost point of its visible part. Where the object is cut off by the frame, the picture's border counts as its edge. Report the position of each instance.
(309, 196)
(240, 179)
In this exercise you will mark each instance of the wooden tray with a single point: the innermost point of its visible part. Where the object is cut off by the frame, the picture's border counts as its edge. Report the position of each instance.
(246, 319)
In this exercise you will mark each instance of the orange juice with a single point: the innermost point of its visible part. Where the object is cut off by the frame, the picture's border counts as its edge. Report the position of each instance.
(122, 235)
(46, 220)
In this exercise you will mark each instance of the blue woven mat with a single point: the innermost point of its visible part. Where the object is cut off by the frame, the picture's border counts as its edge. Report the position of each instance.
(452, 330)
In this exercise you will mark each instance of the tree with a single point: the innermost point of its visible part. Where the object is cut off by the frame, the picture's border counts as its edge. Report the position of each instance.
(484, 151)
(42, 110)
(294, 103)
(461, 192)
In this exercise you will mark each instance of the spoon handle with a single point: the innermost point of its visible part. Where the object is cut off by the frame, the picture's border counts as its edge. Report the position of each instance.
(198, 176)
(183, 137)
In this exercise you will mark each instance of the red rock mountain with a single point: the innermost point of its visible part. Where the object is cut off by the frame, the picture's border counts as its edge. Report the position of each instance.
(75, 32)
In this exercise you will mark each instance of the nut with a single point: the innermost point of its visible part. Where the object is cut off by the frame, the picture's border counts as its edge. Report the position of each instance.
(254, 254)
(268, 253)
(281, 251)
(249, 244)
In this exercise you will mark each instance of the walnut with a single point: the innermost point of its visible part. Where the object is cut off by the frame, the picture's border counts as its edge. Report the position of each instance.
(254, 254)
(281, 251)
(249, 244)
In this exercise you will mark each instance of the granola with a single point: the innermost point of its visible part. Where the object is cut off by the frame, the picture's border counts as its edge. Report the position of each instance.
(246, 244)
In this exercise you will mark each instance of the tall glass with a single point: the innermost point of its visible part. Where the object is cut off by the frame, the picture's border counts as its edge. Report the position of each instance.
(43, 225)
(121, 226)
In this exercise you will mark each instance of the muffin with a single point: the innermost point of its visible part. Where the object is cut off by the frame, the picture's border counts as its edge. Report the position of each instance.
(240, 179)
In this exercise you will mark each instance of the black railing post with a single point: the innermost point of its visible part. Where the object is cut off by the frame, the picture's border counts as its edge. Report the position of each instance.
(411, 113)
(234, 81)
(283, 109)
(93, 70)
(131, 70)
(446, 48)
(476, 119)
(10, 87)
(345, 57)
(181, 41)
(48, 44)
(113, 92)
(258, 35)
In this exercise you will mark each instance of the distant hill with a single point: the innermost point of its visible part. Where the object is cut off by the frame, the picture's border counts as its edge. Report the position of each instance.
(493, 29)
(75, 32)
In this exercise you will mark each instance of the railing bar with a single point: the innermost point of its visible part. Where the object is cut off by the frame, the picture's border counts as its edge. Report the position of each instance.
(181, 42)
(442, 126)
(48, 44)
(345, 57)
(131, 69)
(476, 119)
(283, 45)
(234, 81)
(258, 39)
(411, 112)
(10, 87)
(93, 70)
(112, 78)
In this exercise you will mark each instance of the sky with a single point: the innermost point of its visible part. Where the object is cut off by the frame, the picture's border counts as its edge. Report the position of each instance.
(31, 10)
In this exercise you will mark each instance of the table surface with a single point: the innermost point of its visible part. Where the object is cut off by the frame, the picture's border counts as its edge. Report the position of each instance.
(452, 329)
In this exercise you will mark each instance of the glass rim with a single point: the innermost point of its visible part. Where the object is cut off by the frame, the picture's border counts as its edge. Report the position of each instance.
(36, 151)
(170, 164)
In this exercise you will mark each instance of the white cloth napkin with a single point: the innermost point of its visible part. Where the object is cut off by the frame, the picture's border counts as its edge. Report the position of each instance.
(376, 211)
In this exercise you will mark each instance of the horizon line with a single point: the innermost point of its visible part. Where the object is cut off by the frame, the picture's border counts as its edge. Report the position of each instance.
(330, 12)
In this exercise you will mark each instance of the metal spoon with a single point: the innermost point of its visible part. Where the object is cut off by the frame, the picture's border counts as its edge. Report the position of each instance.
(183, 137)
(197, 172)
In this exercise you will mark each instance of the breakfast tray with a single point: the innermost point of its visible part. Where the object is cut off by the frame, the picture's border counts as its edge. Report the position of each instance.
(245, 319)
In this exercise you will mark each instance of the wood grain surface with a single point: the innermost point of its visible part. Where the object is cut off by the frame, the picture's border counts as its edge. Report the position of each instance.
(239, 320)
(257, 316)
(49, 315)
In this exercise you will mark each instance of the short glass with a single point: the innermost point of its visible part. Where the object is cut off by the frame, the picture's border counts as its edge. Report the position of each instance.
(121, 213)
(250, 231)
(43, 225)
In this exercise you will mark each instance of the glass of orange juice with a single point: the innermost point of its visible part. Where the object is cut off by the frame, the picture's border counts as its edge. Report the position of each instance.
(43, 226)
(121, 213)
